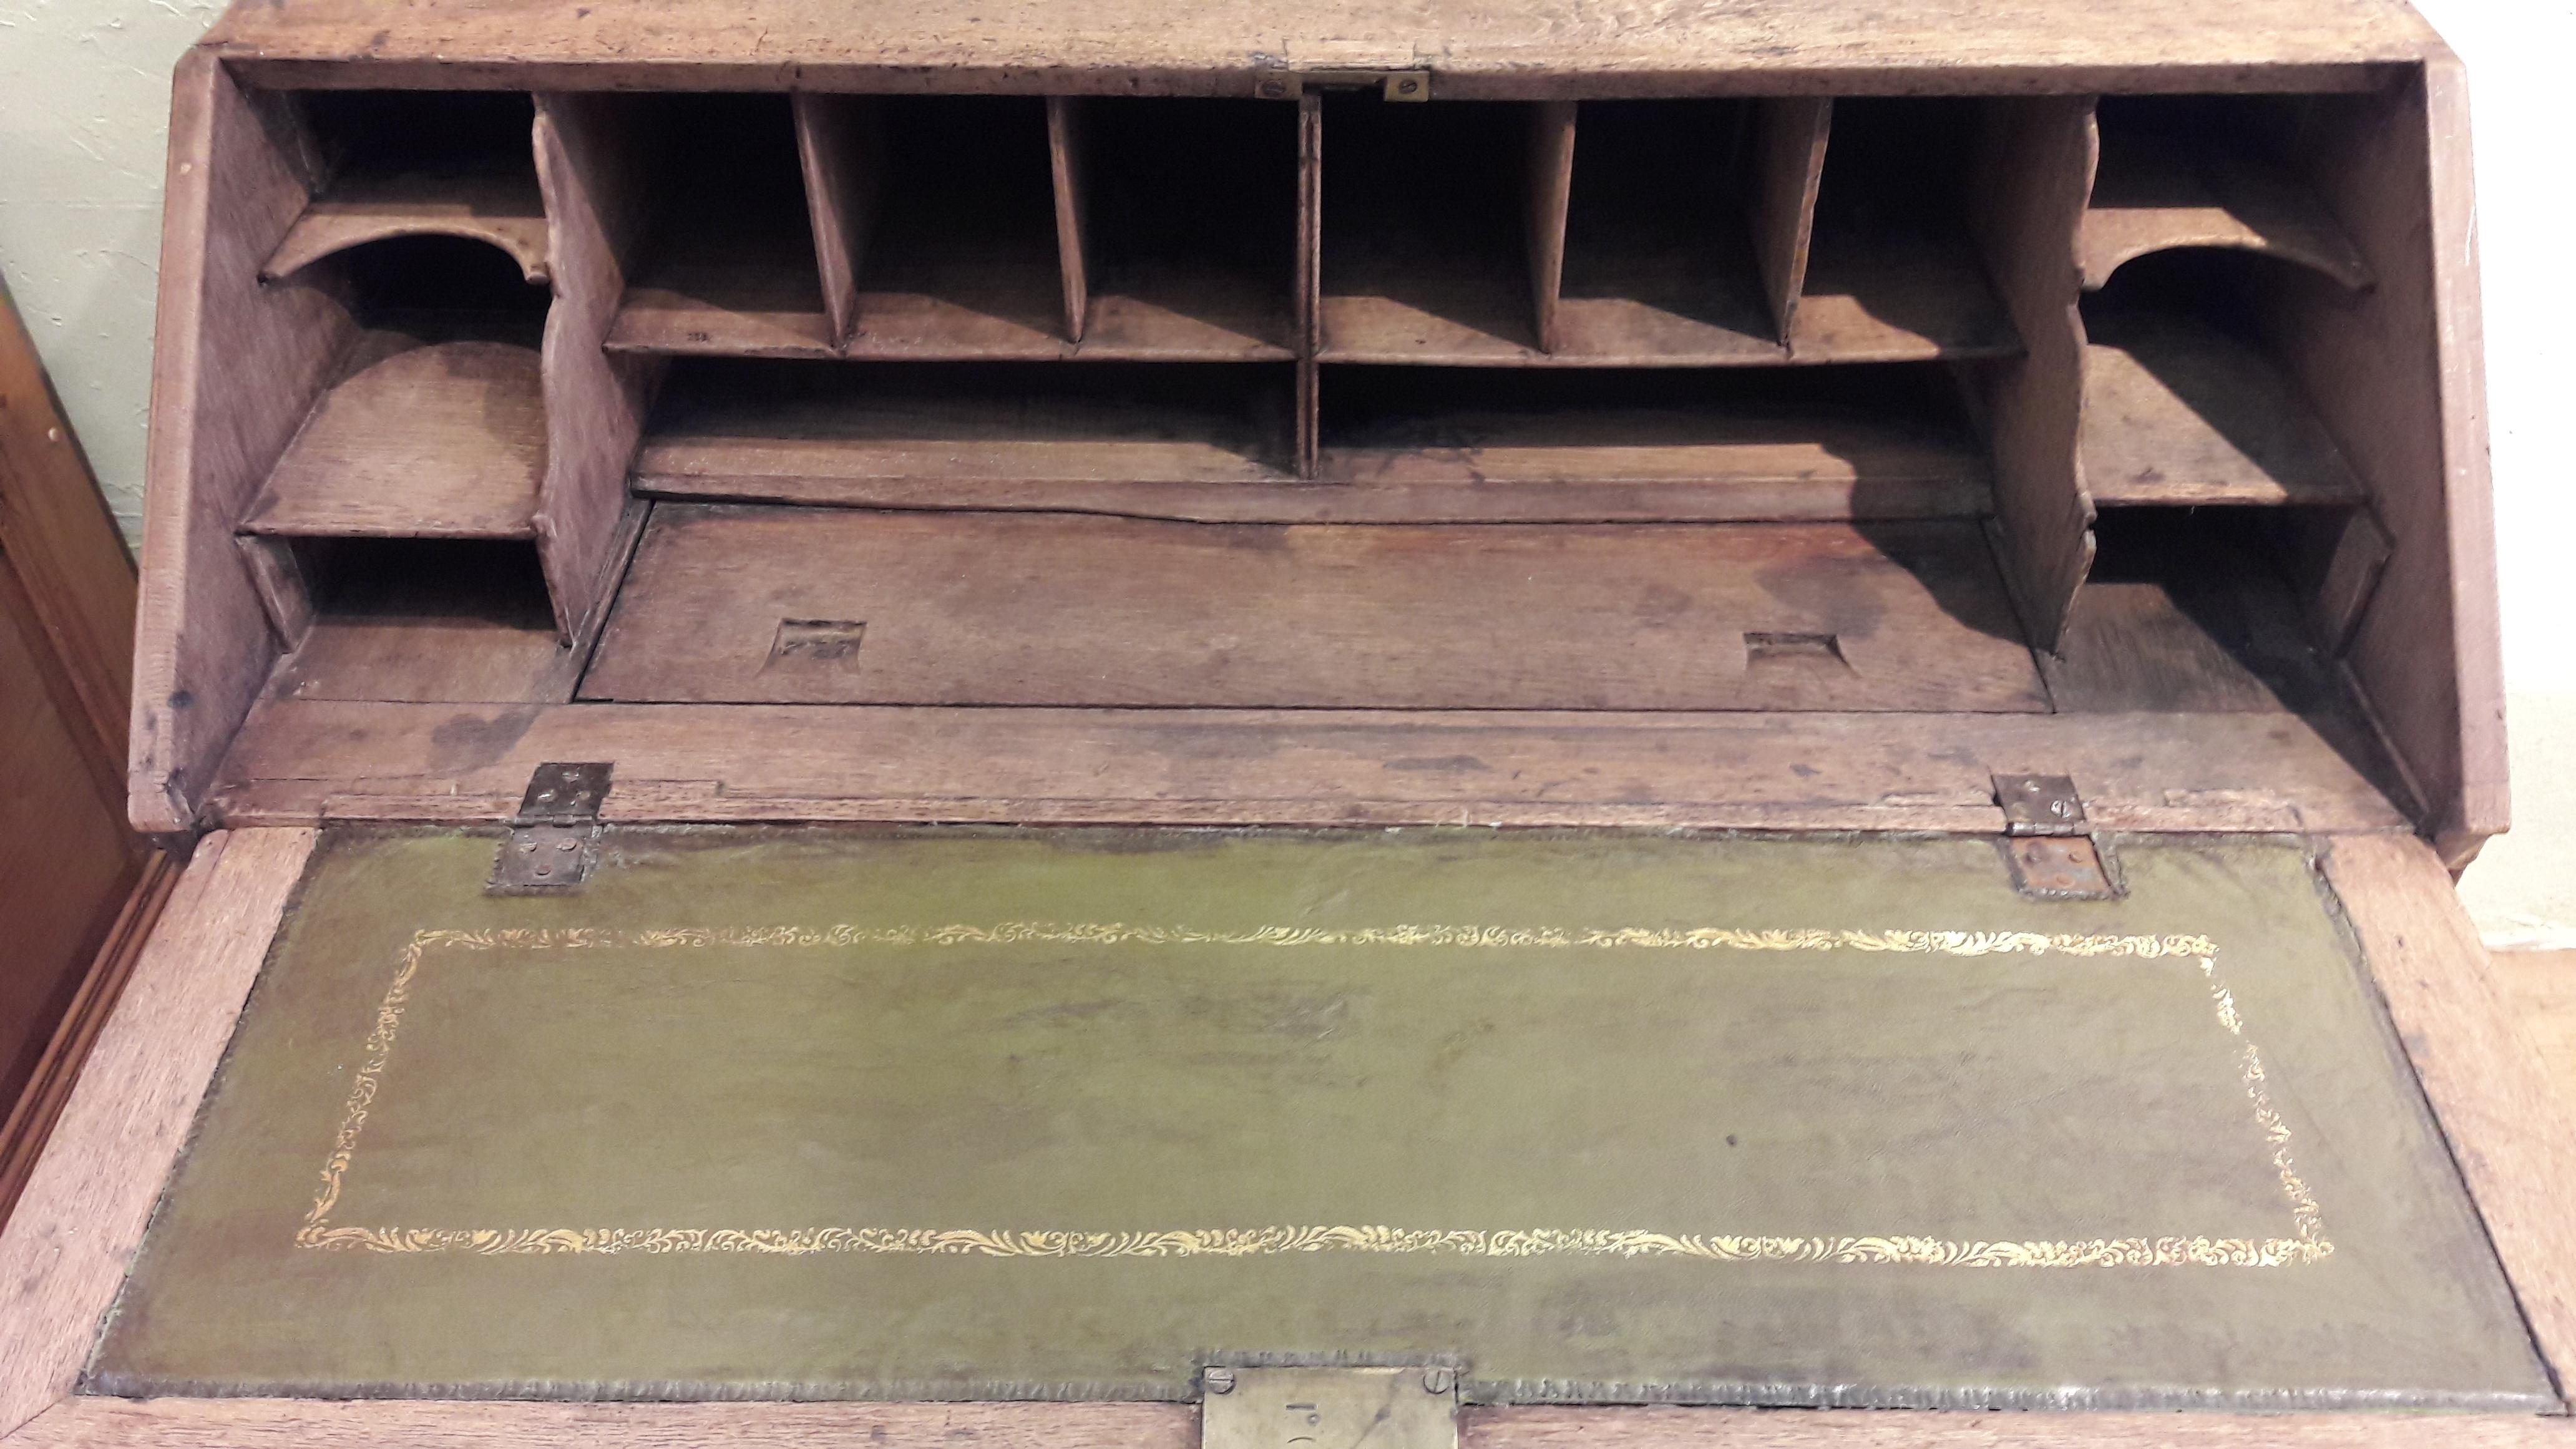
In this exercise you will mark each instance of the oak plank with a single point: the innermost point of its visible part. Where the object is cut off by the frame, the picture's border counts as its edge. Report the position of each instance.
(2153, 193)
(2508, 1129)
(82, 1421)
(1022, 609)
(1678, 1428)
(1485, 49)
(2178, 413)
(595, 404)
(302, 761)
(841, 146)
(2034, 170)
(442, 441)
(1790, 136)
(1551, 155)
(2398, 375)
(235, 368)
(63, 1254)
(499, 206)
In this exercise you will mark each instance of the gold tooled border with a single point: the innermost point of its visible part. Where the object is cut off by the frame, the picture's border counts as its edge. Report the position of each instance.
(2307, 1242)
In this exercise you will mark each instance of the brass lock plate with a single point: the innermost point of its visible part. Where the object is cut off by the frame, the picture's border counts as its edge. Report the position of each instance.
(1329, 1408)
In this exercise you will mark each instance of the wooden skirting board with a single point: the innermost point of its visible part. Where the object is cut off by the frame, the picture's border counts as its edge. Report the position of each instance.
(62, 1259)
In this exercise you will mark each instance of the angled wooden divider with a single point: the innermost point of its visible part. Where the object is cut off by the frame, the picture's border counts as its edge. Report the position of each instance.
(1790, 136)
(1072, 209)
(2033, 175)
(1310, 276)
(1551, 186)
(840, 144)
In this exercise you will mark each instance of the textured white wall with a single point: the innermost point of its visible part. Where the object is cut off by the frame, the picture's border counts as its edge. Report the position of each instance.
(84, 95)
(84, 99)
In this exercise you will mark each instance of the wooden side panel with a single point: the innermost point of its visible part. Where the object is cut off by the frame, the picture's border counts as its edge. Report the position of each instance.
(1551, 185)
(1310, 277)
(57, 534)
(235, 368)
(2028, 200)
(2397, 374)
(67, 860)
(1072, 209)
(2507, 1127)
(1788, 163)
(842, 150)
(595, 402)
(64, 1251)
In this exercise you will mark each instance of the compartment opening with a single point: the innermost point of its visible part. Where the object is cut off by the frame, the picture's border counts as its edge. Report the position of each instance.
(2210, 171)
(2185, 402)
(413, 163)
(1425, 230)
(956, 252)
(431, 289)
(1659, 261)
(433, 422)
(496, 582)
(1190, 223)
(726, 256)
(1891, 273)
(440, 132)
(2198, 610)
(1012, 421)
(1867, 429)
(414, 619)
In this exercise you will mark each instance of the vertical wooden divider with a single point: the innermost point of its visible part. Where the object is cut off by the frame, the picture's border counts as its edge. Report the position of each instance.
(1789, 139)
(1072, 209)
(2033, 178)
(1310, 279)
(590, 171)
(1551, 186)
(840, 143)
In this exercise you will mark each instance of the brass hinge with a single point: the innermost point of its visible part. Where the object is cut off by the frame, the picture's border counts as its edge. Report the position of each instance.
(2048, 844)
(1394, 85)
(554, 840)
(1328, 1408)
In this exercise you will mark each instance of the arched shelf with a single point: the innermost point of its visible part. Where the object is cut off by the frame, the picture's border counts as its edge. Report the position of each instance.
(502, 208)
(2154, 192)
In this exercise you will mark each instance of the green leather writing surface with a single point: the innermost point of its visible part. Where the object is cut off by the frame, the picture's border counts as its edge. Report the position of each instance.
(973, 1113)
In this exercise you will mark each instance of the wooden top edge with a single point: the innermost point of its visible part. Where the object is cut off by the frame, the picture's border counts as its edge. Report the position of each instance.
(1477, 47)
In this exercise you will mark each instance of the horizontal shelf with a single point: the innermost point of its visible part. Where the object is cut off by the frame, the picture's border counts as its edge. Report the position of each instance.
(500, 206)
(2177, 412)
(1915, 300)
(989, 315)
(1864, 430)
(2156, 191)
(850, 421)
(1003, 609)
(442, 441)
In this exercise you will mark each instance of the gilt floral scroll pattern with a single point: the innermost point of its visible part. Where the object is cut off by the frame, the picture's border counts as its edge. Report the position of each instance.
(2307, 1242)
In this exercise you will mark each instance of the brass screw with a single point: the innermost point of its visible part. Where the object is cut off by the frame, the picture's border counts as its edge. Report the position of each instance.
(1439, 1380)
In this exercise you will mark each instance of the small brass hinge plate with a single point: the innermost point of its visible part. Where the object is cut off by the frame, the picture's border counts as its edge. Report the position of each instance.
(1329, 1408)
(554, 841)
(2039, 805)
(2059, 868)
(1394, 85)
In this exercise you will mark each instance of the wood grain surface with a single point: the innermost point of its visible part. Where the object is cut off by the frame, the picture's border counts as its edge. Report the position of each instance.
(1476, 49)
(64, 1252)
(2509, 1130)
(731, 604)
(500, 207)
(443, 441)
(304, 761)
(235, 368)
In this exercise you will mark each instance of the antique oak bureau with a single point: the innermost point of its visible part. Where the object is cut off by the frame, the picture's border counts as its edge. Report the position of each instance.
(1405, 721)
